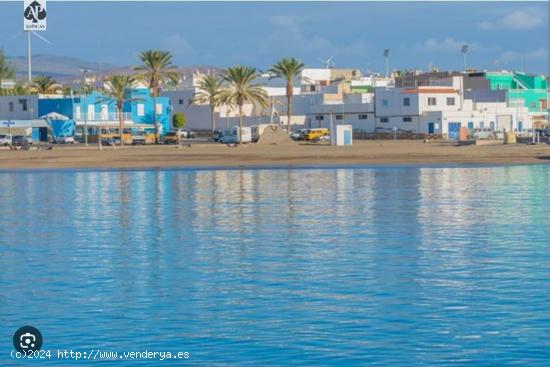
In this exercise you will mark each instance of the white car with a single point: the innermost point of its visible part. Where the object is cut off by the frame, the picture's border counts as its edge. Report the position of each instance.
(65, 140)
(323, 138)
(6, 139)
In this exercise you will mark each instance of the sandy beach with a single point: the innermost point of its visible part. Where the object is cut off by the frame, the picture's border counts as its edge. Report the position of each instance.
(218, 155)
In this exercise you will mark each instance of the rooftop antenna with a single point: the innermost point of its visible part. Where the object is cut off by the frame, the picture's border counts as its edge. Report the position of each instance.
(464, 51)
(387, 60)
(328, 62)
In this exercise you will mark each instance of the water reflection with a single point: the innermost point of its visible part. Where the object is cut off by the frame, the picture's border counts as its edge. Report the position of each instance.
(295, 267)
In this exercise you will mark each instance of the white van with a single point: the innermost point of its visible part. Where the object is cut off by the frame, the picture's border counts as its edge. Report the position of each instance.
(6, 139)
(230, 136)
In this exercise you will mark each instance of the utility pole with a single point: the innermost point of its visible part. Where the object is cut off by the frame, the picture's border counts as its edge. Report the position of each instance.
(29, 70)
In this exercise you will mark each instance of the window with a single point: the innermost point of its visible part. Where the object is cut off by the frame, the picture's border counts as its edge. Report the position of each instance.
(140, 109)
(407, 119)
(384, 102)
(363, 117)
(159, 108)
(432, 101)
(406, 101)
(23, 103)
(450, 101)
(339, 117)
(180, 101)
(319, 117)
(384, 119)
(10, 106)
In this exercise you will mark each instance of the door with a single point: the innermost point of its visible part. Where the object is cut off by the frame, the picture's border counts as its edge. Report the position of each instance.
(470, 126)
(43, 134)
(431, 128)
(347, 137)
(520, 126)
(454, 130)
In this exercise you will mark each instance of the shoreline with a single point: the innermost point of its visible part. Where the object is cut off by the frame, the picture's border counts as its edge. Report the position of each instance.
(203, 155)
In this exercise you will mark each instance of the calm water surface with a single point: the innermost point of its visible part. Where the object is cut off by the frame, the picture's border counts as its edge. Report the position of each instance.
(324, 267)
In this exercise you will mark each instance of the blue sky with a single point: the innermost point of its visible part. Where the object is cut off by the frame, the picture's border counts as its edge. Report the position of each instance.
(500, 34)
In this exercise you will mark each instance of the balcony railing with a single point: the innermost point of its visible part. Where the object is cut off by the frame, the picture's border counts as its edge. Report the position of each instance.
(102, 116)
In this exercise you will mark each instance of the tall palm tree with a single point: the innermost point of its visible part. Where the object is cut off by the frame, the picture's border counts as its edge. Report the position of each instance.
(118, 89)
(288, 69)
(209, 90)
(45, 85)
(240, 90)
(157, 69)
(7, 71)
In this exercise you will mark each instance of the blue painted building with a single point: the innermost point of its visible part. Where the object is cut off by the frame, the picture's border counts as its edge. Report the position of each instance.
(97, 110)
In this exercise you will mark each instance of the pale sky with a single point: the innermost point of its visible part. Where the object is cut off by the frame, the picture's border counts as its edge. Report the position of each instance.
(506, 35)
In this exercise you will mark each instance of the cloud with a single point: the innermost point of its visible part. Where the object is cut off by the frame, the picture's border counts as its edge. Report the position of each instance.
(447, 44)
(290, 37)
(515, 56)
(526, 19)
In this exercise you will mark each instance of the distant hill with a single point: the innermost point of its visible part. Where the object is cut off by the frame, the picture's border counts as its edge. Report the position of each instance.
(69, 69)
(58, 67)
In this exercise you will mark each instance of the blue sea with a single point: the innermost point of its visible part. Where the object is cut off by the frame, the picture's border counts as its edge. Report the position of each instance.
(361, 266)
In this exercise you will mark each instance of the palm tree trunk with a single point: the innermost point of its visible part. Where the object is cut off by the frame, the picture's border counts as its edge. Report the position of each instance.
(288, 111)
(212, 118)
(155, 117)
(240, 136)
(121, 125)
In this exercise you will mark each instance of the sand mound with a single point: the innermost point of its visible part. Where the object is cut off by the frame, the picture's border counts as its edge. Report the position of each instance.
(274, 135)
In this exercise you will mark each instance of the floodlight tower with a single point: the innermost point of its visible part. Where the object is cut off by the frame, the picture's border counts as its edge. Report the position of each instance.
(387, 59)
(464, 51)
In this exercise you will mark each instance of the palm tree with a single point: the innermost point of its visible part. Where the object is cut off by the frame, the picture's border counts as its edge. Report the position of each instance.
(45, 85)
(288, 69)
(7, 71)
(157, 69)
(209, 90)
(240, 90)
(118, 89)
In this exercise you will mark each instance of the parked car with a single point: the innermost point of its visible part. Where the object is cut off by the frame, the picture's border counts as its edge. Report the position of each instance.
(230, 136)
(110, 141)
(312, 134)
(298, 135)
(138, 140)
(186, 133)
(216, 135)
(173, 137)
(322, 138)
(21, 140)
(6, 139)
(65, 140)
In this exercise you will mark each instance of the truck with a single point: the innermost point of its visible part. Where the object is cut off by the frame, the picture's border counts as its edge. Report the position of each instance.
(231, 135)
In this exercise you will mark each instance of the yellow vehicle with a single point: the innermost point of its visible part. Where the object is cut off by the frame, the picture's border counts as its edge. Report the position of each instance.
(312, 134)
(171, 138)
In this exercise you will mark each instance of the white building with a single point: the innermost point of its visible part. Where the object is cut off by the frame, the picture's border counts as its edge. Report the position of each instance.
(19, 107)
(444, 109)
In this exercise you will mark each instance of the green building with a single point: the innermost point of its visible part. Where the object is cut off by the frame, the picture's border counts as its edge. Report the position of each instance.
(530, 88)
